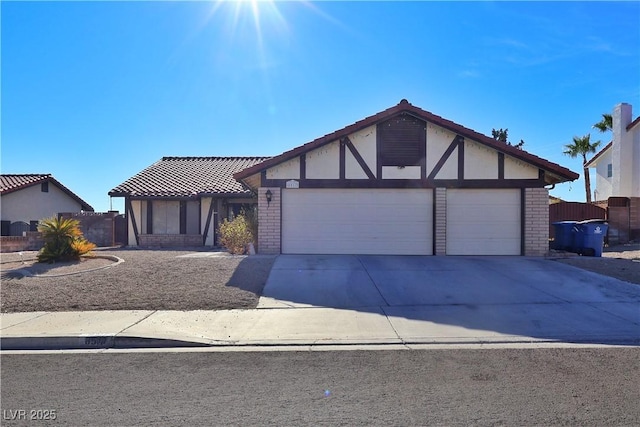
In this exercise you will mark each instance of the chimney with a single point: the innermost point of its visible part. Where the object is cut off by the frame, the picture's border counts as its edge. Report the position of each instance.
(622, 152)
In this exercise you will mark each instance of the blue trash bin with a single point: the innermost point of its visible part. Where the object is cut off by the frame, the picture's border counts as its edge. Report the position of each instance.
(563, 240)
(589, 237)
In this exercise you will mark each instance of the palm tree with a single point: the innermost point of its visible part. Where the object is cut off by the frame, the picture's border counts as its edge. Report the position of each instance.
(581, 147)
(605, 124)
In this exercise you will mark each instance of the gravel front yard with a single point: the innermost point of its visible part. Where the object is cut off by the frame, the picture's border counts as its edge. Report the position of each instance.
(621, 262)
(187, 279)
(146, 280)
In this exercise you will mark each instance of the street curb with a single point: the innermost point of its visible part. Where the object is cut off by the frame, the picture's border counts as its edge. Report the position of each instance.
(104, 342)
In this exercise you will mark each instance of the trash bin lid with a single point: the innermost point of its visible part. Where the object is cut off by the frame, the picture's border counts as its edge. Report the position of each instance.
(593, 221)
(565, 222)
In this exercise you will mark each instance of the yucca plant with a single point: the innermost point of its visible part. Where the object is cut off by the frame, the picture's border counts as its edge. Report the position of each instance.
(63, 240)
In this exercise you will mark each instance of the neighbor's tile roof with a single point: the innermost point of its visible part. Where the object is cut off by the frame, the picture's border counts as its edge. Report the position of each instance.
(187, 177)
(404, 106)
(14, 182)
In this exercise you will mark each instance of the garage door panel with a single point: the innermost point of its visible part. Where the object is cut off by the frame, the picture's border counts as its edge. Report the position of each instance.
(362, 221)
(483, 222)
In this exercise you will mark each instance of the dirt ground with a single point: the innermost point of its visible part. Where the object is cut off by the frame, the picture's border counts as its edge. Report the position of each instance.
(621, 262)
(187, 279)
(146, 280)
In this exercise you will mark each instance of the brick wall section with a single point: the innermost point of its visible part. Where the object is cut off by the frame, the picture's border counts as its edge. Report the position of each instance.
(440, 201)
(170, 240)
(269, 221)
(536, 221)
(634, 219)
(97, 227)
(31, 242)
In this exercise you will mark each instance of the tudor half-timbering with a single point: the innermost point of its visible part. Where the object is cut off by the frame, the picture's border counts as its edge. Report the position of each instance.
(180, 201)
(404, 181)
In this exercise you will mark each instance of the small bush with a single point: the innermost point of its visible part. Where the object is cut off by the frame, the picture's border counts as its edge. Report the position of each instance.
(236, 234)
(63, 240)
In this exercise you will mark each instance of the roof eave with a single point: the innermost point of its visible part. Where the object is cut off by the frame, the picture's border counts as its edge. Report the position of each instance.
(406, 107)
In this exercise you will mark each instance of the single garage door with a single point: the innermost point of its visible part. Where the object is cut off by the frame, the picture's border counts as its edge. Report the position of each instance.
(357, 221)
(483, 222)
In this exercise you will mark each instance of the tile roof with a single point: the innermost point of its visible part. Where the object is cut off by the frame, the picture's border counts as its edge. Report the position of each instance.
(14, 182)
(187, 177)
(404, 106)
(594, 160)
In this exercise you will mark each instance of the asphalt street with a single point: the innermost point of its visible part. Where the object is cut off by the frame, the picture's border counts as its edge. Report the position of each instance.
(596, 386)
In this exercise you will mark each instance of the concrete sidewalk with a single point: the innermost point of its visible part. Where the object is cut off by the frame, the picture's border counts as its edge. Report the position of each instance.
(287, 327)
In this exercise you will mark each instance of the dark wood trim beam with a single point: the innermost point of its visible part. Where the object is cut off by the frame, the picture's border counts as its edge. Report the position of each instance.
(149, 217)
(263, 178)
(541, 174)
(183, 217)
(358, 157)
(343, 160)
(500, 165)
(206, 225)
(410, 183)
(460, 159)
(522, 220)
(303, 166)
(130, 214)
(445, 157)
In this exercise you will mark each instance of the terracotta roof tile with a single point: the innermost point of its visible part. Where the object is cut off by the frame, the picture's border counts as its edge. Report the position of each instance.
(14, 182)
(187, 177)
(405, 107)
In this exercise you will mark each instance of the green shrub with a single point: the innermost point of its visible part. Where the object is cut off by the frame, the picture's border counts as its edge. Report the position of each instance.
(236, 234)
(63, 240)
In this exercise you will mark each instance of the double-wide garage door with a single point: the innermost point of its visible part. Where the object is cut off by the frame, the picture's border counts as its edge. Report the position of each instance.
(357, 221)
(399, 221)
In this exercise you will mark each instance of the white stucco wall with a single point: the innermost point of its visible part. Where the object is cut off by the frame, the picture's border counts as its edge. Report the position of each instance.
(204, 211)
(31, 204)
(365, 142)
(136, 207)
(324, 162)
(603, 188)
(394, 172)
(438, 140)
(480, 162)
(622, 152)
(635, 138)
(287, 170)
(517, 169)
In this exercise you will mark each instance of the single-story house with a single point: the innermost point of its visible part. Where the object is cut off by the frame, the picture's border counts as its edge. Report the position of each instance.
(180, 201)
(404, 181)
(617, 165)
(28, 198)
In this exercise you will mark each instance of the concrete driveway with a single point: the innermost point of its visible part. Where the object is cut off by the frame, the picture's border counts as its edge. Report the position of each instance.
(456, 299)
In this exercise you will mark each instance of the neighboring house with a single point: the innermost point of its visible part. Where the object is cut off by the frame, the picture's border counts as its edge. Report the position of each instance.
(617, 165)
(404, 181)
(28, 198)
(617, 168)
(180, 201)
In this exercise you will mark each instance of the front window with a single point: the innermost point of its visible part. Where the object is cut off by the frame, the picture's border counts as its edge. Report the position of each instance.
(609, 170)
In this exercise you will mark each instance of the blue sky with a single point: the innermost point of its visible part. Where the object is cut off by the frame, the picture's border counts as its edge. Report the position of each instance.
(93, 92)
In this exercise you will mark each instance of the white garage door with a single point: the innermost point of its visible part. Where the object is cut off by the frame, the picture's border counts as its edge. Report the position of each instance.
(357, 221)
(483, 222)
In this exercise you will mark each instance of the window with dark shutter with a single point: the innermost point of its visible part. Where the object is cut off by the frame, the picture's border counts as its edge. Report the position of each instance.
(44, 187)
(402, 141)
